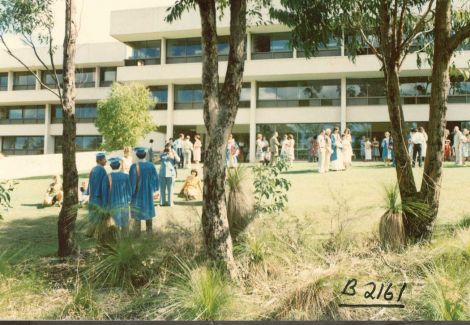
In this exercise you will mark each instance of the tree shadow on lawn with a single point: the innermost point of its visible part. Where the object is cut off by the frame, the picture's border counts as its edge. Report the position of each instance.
(302, 171)
(34, 237)
(189, 203)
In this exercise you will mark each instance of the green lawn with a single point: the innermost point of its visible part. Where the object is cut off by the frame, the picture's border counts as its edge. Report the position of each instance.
(318, 206)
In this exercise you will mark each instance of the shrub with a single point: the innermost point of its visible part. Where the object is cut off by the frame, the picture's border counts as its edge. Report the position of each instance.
(123, 264)
(314, 300)
(6, 188)
(240, 200)
(84, 304)
(197, 293)
(270, 188)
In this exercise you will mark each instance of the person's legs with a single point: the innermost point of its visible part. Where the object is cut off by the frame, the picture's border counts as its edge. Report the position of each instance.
(149, 226)
(420, 162)
(415, 153)
(169, 190)
(163, 191)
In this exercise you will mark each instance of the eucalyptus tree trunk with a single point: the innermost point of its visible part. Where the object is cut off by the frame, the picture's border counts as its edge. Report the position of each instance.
(432, 177)
(68, 213)
(220, 110)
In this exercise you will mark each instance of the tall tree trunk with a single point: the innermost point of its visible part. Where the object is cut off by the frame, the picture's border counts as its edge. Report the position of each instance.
(68, 213)
(432, 177)
(220, 109)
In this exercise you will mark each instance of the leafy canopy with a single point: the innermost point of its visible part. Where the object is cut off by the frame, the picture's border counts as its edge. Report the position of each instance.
(124, 118)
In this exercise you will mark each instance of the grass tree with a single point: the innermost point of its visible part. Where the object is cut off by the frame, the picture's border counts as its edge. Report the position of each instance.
(124, 117)
(33, 22)
(391, 29)
(220, 110)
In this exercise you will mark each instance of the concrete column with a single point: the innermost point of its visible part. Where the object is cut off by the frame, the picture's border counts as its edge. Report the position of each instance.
(1, 144)
(252, 155)
(343, 103)
(294, 53)
(169, 112)
(342, 45)
(248, 46)
(48, 139)
(10, 81)
(163, 51)
(97, 77)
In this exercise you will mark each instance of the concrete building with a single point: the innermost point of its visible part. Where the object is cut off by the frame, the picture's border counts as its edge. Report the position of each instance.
(282, 90)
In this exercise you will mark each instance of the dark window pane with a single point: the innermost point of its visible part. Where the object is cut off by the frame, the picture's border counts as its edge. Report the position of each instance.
(15, 114)
(3, 81)
(262, 43)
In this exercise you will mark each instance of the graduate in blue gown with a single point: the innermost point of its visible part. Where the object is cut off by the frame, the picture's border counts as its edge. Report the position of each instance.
(117, 193)
(144, 184)
(95, 203)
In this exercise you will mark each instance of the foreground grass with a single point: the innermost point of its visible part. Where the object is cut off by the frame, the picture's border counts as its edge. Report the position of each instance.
(292, 266)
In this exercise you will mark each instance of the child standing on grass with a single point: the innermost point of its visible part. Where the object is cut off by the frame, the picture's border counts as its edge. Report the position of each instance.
(368, 149)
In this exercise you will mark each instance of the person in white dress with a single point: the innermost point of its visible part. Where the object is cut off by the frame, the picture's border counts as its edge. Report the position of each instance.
(126, 162)
(368, 147)
(424, 143)
(259, 148)
(290, 148)
(347, 148)
(284, 145)
(459, 140)
(328, 151)
(187, 147)
(321, 151)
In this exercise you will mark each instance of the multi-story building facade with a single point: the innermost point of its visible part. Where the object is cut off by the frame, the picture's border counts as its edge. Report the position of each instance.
(282, 90)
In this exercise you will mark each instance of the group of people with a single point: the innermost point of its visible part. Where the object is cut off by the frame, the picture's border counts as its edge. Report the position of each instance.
(268, 151)
(333, 150)
(460, 148)
(123, 193)
(186, 150)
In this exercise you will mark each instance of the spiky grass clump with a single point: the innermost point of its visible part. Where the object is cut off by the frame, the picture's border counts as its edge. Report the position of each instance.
(122, 264)
(391, 226)
(312, 300)
(240, 202)
(84, 304)
(198, 293)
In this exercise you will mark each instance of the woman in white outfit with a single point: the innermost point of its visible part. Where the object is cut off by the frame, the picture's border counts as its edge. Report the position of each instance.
(187, 151)
(337, 151)
(291, 148)
(347, 149)
(424, 144)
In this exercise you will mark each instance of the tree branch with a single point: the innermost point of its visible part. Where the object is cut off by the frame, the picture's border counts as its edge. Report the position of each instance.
(26, 66)
(417, 29)
(374, 50)
(459, 37)
(54, 69)
(401, 22)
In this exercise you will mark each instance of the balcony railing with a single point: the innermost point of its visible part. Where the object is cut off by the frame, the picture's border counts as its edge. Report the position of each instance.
(22, 121)
(299, 103)
(13, 152)
(24, 87)
(272, 55)
(140, 62)
(322, 52)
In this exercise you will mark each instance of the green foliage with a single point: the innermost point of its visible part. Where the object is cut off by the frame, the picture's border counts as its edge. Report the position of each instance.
(270, 188)
(6, 188)
(197, 293)
(84, 304)
(124, 264)
(124, 118)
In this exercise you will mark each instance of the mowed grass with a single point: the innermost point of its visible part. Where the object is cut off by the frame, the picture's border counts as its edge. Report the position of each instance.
(281, 254)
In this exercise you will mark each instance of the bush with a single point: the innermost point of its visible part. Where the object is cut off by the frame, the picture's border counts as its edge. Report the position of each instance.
(124, 264)
(197, 293)
(84, 304)
(270, 188)
(240, 200)
(6, 188)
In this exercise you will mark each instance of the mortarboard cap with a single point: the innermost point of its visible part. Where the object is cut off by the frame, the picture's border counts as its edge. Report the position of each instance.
(100, 155)
(140, 150)
(114, 161)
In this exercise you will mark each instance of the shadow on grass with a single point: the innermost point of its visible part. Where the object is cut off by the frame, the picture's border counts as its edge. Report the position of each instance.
(377, 166)
(189, 203)
(36, 237)
(36, 205)
(302, 171)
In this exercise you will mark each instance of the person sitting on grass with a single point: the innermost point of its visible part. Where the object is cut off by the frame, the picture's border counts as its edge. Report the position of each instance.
(191, 186)
(117, 193)
(54, 194)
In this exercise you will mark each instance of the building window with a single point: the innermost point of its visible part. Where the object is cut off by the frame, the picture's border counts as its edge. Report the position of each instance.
(459, 91)
(83, 143)
(308, 93)
(3, 81)
(332, 48)
(22, 115)
(47, 78)
(24, 81)
(107, 76)
(23, 145)
(84, 113)
(187, 50)
(271, 46)
(188, 96)
(365, 92)
(245, 96)
(85, 78)
(160, 96)
(144, 53)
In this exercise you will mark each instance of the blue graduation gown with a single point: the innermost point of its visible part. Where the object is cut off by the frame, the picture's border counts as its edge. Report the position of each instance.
(143, 187)
(385, 153)
(333, 148)
(116, 200)
(95, 203)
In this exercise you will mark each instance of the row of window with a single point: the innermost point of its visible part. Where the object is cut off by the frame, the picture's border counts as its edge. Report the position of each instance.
(307, 93)
(34, 145)
(84, 78)
(186, 50)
